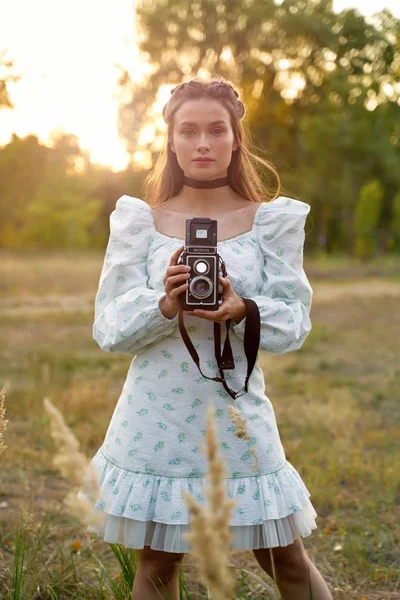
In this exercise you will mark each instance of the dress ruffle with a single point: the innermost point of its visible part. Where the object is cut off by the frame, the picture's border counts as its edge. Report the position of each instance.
(139, 511)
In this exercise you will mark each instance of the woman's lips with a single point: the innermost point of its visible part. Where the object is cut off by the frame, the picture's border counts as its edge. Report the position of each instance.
(203, 160)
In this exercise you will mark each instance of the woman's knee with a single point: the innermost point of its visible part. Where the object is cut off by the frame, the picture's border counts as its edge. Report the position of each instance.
(158, 564)
(291, 562)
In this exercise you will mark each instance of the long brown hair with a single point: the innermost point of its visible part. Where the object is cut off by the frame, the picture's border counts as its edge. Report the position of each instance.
(166, 179)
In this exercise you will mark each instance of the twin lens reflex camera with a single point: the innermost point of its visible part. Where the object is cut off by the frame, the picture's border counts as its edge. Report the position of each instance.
(204, 290)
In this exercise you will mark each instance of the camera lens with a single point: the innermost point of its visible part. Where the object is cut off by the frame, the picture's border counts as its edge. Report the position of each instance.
(201, 287)
(201, 267)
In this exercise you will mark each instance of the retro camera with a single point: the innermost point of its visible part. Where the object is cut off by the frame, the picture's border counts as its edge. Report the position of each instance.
(204, 290)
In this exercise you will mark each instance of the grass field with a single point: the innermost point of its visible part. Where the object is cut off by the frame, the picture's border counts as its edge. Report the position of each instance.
(337, 403)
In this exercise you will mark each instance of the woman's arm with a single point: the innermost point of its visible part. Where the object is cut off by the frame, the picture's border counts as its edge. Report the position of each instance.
(127, 312)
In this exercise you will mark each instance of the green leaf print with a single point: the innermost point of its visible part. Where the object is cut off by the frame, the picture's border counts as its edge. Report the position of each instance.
(146, 483)
(219, 412)
(201, 380)
(175, 461)
(196, 450)
(118, 440)
(177, 390)
(185, 367)
(133, 452)
(236, 474)
(159, 446)
(253, 417)
(166, 354)
(148, 470)
(251, 442)
(241, 490)
(176, 515)
(135, 507)
(239, 511)
(181, 437)
(138, 299)
(162, 425)
(116, 491)
(151, 396)
(196, 402)
(258, 521)
(195, 473)
(211, 364)
(137, 379)
(168, 406)
(222, 394)
(191, 328)
(124, 423)
(142, 411)
(256, 495)
(165, 496)
(224, 446)
(162, 374)
(190, 418)
(246, 456)
(144, 364)
(138, 436)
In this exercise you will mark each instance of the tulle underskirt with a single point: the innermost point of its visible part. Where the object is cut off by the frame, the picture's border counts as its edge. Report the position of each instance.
(168, 537)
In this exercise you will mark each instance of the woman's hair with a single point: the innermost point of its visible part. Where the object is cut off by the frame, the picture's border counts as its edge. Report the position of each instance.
(166, 179)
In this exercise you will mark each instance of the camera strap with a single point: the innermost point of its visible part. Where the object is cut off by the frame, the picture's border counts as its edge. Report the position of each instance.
(226, 362)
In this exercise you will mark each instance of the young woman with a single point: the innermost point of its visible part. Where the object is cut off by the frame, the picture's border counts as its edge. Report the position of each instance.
(152, 447)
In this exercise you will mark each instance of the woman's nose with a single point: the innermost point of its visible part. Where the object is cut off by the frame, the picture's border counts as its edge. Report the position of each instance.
(203, 144)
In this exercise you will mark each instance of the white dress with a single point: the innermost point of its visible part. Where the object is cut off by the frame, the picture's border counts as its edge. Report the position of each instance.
(151, 450)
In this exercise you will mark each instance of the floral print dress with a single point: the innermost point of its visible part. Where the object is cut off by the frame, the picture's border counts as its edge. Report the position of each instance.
(152, 448)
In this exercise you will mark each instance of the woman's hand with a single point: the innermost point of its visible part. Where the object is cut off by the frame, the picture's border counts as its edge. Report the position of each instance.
(175, 282)
(232, 307)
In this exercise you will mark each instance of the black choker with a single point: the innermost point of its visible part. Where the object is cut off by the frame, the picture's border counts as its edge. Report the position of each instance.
(198, 183)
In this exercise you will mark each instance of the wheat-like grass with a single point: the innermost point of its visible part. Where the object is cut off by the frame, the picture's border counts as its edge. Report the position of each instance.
(210, 536)
(76, 468)
(3, 420)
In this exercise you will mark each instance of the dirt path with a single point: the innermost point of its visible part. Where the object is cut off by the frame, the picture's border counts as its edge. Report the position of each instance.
(323, 292)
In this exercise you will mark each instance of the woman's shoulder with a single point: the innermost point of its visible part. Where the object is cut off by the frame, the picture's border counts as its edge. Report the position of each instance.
(130, 203)
(281, 219)
(129, 209)
(279, 208)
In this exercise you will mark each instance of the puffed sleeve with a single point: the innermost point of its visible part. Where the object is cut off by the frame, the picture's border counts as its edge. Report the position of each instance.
(286, 295)
(127, 315)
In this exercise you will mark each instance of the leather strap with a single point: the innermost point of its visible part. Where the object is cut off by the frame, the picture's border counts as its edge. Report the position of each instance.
(225, 362)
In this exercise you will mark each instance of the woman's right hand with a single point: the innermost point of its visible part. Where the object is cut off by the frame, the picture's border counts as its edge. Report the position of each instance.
(175, 282)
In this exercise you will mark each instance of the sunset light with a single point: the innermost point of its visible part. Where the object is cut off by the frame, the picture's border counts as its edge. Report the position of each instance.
(67, 55)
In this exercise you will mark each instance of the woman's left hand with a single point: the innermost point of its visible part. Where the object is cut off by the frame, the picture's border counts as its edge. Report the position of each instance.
(232, 307)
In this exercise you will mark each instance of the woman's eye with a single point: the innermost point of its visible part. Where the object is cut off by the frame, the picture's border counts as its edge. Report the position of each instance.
(191, 131)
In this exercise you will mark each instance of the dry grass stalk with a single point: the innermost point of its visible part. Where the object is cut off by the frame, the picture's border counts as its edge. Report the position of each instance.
(243, 433)
(75, 467)
(210, 536)
(3, 420)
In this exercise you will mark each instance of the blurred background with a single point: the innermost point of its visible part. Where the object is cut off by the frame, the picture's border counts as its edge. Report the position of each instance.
(82, 85)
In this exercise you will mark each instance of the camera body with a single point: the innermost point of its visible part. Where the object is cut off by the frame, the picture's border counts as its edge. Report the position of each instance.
(204, 290)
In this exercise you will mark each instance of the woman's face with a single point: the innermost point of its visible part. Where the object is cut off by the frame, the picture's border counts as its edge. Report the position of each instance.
(202, 128)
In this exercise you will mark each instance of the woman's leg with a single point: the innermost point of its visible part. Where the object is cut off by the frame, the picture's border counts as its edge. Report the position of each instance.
(295, 572)
(153, 566)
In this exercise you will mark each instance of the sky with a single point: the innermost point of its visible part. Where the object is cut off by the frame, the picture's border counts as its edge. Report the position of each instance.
(67, 55)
